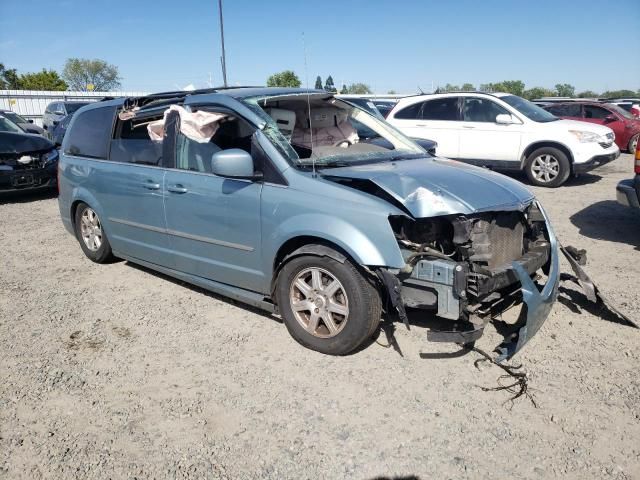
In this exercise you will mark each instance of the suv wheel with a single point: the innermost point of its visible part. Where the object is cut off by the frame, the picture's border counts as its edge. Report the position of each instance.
(547, 167)
(326, 305)
(633, 143)
(90, 234)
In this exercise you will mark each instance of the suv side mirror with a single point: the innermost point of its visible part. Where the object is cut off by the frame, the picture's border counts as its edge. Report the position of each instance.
(234, 163)
(30, 120)
(610, 118)
(505, 119)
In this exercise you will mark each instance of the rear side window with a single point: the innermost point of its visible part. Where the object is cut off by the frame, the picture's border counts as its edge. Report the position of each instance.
(441, 109)
(90, 133)
(412, 112)
(566, 110)
(591, 111)
(132, 143)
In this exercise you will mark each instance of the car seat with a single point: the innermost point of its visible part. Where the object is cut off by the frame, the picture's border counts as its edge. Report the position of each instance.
(327, 125)
(285, 119)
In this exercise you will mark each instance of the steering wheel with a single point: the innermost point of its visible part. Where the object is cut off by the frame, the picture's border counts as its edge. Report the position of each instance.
(342, 142)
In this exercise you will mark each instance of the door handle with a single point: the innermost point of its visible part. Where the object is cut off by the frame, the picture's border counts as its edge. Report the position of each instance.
(421, 125)
(177, 189)
(150, 185)
(468, 126)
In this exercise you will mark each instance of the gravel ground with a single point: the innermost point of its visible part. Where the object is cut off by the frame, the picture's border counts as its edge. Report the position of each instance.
(114, 371)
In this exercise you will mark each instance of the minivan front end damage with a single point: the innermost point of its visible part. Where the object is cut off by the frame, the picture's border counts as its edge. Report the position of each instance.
(468, 268)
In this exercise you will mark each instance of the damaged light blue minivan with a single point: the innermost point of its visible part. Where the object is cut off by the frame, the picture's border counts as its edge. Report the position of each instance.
(307, 206)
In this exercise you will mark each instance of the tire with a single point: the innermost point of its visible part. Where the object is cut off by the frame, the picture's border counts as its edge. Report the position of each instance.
(633, 144)
(335, 333)
(547, 167)
(91, 236)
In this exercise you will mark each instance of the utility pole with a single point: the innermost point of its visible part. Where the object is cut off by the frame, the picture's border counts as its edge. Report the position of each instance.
(223, 58)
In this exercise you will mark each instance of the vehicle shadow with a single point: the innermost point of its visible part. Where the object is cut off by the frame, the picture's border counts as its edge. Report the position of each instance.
(578, 303)
(208, 293)
(27, 196)
(572, 181)
(610, 221)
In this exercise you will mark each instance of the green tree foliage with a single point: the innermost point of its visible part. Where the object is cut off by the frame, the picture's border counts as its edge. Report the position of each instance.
(358, 89)
(538, 92)
(391, 92)
(467, 87)
(587, 94)
(565, 90)
(344, 90)
(286, 78)
(619, 93)
(9, 79)
(82, 73)
(329, 86)
(318, 83)
(515, 87)
(44, 80)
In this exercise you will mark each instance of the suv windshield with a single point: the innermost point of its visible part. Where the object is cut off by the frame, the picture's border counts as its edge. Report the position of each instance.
(528, 109)
(322, 130)
(620, 111)
(7, 125)
(73, 106)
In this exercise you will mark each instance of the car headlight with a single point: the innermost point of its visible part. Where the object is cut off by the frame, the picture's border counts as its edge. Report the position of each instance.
(584, 136)
(51, 156)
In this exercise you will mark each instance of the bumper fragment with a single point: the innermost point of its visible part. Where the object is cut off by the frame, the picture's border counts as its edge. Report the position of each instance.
(627, 194)
(595, 162)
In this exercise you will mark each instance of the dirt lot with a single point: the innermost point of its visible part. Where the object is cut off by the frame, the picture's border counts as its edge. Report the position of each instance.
(115, 371)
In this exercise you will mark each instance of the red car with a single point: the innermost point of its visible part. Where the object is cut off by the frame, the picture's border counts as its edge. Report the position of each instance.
(624, 125)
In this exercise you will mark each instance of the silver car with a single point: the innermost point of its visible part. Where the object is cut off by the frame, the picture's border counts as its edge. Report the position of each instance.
(56, 111)
(268, 196)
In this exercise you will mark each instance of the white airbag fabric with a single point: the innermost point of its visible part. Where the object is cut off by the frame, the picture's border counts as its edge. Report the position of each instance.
(199, 126)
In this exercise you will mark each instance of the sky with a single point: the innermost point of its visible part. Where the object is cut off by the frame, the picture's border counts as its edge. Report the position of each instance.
(400, 45)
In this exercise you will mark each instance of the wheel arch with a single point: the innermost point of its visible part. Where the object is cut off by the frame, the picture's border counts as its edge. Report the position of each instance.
(545, 143)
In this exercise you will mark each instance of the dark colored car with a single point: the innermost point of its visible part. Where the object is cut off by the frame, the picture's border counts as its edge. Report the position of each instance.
(624, 124)
(56, 111)
(60, 129)
(26, 125)
(26, 161)
(628, 191)
(384, 106)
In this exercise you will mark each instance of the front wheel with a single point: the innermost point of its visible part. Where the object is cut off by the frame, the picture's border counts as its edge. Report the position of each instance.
(633, 143)
(327, 305)
(547, 167)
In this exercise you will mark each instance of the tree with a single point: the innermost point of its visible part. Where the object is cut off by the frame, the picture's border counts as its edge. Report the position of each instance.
(358, 89)
(538, 92)
(565, 90)
(468, 87)
(286, 78)
(587, 94)
(318, 83)
(450, 88)
(515, 87)
(618, 93)
(391, 92)
(329, 86)
(9, 78)
(344, 90)
(83, 74)
(44, 80)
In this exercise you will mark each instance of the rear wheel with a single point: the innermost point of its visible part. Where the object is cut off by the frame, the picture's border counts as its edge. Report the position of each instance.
(327, 305)
(547, 167)
(90, 234)
(633, 143)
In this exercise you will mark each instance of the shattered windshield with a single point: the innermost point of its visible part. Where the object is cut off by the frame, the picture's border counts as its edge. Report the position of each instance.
(320, 130)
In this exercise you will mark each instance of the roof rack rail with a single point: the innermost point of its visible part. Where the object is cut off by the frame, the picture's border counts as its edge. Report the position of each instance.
(141, 101)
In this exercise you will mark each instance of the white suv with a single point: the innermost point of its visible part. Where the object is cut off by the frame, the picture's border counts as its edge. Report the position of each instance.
(506, 132)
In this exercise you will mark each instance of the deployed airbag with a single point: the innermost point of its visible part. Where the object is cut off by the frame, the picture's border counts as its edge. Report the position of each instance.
(199, 126)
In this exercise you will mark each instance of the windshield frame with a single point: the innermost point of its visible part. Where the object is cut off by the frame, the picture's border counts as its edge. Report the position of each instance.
(620, 111)
(392, 134)
(530, 111)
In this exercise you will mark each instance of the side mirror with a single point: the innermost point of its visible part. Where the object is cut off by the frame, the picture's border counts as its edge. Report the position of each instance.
(610, 118)
(234, 163)
(30, 120)
(505, 119)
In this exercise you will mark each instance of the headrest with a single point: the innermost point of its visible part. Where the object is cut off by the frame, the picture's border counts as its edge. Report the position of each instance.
(285, 119)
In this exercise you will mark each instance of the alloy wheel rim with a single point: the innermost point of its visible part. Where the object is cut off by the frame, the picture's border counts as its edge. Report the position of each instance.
(319, 302)
(545, 168)
(91, 230)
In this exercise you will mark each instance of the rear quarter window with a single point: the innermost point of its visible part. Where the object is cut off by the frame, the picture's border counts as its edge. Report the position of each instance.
(412, 112)
(90, 133)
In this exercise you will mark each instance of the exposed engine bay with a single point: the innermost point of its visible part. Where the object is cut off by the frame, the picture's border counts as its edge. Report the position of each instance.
(461, 266)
